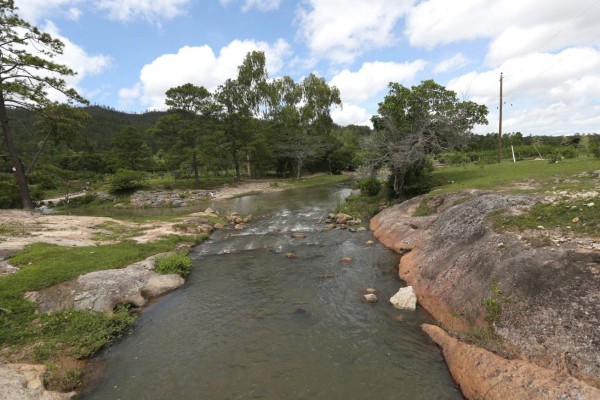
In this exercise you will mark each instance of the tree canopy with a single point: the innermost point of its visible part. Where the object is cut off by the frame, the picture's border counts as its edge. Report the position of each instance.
(414, 123)
(28, 78)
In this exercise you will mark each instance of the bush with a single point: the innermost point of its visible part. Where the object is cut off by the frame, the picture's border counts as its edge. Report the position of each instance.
(177, 263)
(554, 158)
(595, 149)
(568, 152)
(125, 180)
(9, 195)
(369, 186)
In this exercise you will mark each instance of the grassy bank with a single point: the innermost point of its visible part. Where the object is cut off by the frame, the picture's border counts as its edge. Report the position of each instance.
(53, 338)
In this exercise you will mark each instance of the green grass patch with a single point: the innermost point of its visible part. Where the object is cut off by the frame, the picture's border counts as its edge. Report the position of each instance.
(317, 180)
(14, 229)
(506, 174)
(567, 215)
(424, 209)
(114, 231)
(178, 263)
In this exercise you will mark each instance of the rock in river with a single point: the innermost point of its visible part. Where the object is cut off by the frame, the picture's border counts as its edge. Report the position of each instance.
(405, 299)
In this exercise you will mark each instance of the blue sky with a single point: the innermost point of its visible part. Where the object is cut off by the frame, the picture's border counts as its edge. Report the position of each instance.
(129, 52)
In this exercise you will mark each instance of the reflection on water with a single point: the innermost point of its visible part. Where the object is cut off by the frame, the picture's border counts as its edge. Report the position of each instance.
(251, 324)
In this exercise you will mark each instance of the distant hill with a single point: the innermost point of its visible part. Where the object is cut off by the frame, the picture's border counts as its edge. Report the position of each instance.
(104, 124)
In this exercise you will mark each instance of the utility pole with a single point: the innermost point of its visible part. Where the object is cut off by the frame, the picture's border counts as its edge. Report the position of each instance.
(500, 124)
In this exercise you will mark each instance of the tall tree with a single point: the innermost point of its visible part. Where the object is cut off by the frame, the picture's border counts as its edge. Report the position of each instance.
(414, 123)
(301, 113)
(130, 150)
(190, 111)
(26, 77)
(243, 99)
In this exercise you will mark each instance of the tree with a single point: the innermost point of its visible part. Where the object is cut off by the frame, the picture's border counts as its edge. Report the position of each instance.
(190, 110)
(301, 113)
(130, 150)
(26, 78)
(243, 99)
(414, 123)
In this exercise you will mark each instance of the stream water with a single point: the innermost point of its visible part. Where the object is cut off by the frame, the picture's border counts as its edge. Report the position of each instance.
(252, 324)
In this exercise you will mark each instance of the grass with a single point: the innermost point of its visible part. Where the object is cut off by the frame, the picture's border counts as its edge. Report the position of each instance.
(574, 215)
(504, 175)
(114, 231)
(177, 263)
(14, 229)
(424, 209)
(26, 335)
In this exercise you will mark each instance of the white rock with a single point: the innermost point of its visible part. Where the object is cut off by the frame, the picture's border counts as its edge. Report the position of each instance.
(370, 298)
(405, 299)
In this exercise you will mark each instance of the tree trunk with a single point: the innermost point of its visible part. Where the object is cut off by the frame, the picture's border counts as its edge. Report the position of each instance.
(248, 165)
(299, 169)
(195, 167)
(236, 161)
(12, 155)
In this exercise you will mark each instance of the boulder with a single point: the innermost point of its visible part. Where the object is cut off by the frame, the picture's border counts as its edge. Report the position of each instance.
(160, 284)
(405, 299)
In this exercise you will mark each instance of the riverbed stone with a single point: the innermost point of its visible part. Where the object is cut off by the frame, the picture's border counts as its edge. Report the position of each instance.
(158, 285)
(298, 235)
(405, 299)
(370, 298)
(346, 260)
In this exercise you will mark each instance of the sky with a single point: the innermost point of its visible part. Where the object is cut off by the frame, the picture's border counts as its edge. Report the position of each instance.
(128, 53)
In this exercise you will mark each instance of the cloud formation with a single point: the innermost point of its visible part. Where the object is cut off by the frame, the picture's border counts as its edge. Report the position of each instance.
(373, 77)
(262, 5)
(340, 30)
(198, 65)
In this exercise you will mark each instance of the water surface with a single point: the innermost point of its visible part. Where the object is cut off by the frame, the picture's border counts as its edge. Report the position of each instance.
(252, 324)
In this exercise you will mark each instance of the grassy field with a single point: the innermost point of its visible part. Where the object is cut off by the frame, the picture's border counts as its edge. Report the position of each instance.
(539, 175)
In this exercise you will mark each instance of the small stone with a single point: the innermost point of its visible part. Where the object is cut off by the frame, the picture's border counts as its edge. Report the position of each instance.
(575, 220)
(371, 290)
(370, 298)
(501, 245)
(590, 204)
(209, 211)
(346, 260)
(218, 226)
(298, 235)
(239, 227)
(330, 226)
(289, 255)
(541, 227)
(351, 230)
(361, 229)
(369, 242)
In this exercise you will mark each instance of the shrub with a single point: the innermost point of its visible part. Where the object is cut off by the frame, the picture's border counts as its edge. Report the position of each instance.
(595, 149)
(554, 158)
(369, 186)
(124, 180)
(568, 152)
(177, 263)
(9, 195)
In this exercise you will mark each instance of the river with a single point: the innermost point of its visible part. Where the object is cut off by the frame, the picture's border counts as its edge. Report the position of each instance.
(252, 324)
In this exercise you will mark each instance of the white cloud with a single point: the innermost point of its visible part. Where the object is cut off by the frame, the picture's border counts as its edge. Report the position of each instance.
(77, 58)
(455, 62)
(351, 114)
(150, 10)
(372, 77)
(35, 11)
(262, 5)
(544, 92)
(200, 66)
(340, 30)
(515, 27)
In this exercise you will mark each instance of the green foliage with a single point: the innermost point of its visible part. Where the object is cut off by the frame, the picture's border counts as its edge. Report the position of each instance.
(568, 152)
(178, 263)
(493, 304)
(125, 180)
(9, 195)
(369, 186)
(85, 333)
(595, 150)
(341, 159)
(130, 150)
(554, 158)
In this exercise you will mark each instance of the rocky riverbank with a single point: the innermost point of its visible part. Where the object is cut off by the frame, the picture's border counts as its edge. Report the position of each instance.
(502, 290)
